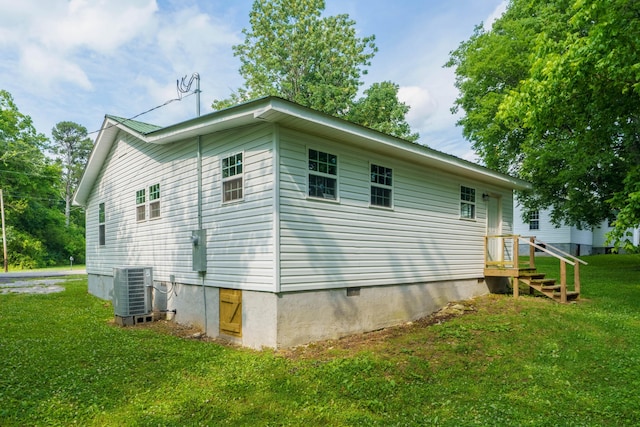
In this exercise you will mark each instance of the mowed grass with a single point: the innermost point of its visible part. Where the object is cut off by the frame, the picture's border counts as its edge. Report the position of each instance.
(505, 362)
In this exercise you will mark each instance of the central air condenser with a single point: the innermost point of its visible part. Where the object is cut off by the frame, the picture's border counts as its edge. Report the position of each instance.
(132, 291)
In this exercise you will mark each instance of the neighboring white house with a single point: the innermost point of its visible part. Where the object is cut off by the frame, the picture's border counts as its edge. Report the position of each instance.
(570, 239)
(275, 225)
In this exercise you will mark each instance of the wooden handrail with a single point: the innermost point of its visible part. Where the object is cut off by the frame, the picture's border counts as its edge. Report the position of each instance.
(547, 245)
(543, 249)
(534, 244)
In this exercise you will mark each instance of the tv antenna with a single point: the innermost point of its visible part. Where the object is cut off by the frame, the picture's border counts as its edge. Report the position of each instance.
(184, 86)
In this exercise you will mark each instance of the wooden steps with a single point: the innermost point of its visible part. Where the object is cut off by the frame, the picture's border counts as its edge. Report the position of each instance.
(502, 260)
(537, 281)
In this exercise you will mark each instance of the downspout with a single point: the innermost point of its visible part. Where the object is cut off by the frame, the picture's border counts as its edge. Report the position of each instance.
(276, 207)
(199, 198)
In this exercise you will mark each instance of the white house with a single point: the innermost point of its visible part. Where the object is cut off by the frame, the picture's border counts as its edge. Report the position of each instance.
(570, 239)
(273, 225)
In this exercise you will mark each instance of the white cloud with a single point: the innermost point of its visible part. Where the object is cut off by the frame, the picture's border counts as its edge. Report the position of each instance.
(420, 99)
(51, 41)
(100, 26)
(497, 13)
(42, 68)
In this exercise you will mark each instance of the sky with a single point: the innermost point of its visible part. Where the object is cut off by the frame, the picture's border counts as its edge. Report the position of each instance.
(77, 60)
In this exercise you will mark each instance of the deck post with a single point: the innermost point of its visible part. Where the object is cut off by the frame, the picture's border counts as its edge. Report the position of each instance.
(486, 251)
(576, 277)
(516, 252)
(563, 281)
(532, 252)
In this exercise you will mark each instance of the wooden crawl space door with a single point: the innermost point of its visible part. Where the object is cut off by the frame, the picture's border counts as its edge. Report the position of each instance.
(231, 312)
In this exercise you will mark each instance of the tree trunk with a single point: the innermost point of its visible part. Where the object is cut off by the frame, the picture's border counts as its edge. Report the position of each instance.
(67, 208)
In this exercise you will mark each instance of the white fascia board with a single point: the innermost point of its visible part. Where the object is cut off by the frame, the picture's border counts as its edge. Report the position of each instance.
(101, 147)
(212, 122)
(410, 150)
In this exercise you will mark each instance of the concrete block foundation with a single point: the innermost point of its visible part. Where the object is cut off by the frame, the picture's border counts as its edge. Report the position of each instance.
(288, 319)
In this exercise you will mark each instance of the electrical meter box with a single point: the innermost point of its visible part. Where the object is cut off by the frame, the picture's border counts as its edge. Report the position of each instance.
(199, 250)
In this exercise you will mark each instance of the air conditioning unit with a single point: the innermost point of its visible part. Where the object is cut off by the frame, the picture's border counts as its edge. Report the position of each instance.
(132, 291)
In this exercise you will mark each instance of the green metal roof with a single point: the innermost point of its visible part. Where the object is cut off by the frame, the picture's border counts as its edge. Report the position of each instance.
(140, 127)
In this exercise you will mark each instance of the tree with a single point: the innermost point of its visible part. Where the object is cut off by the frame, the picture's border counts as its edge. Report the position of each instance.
(381, 110)
(27, 179)
(293, 52)
(551, 93)
(36, 235)
(71, 147)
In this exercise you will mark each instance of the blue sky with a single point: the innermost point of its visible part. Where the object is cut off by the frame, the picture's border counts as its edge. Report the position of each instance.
(78, 60)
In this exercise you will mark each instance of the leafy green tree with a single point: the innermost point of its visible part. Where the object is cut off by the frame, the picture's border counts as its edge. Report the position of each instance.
(36, 234)
(551, 92)
(71, 148)
(293, 52)
(381, 110)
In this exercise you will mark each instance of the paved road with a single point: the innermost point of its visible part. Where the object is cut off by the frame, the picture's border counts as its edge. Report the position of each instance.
(17, 275)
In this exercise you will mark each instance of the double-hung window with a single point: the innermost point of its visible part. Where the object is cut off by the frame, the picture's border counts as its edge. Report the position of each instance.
(141, 207)
(381, 186)
(101, 225)
(232, 176)
(154, 201)
(323, 175)
(534, 220)
(467, 202)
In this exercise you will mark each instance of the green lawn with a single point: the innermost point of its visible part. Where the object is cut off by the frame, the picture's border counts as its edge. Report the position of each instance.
(506, 362)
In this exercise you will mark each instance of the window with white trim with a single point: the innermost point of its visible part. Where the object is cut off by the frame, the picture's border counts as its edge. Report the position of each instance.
(323, 175)
(232, 176)
(467, 202)
(534, 220)
(381, 186)
(154, 201)
(141, 207)
(101, 225)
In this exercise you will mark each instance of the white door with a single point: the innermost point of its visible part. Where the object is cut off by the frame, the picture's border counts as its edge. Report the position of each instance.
(494, 228)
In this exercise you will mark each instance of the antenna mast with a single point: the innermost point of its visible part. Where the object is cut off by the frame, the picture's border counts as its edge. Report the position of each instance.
(184, 86)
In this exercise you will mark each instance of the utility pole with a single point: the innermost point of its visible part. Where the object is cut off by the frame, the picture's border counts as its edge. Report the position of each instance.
(4, 236)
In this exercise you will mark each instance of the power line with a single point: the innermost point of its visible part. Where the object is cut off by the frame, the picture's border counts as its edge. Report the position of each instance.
(27, 174)
(145, 112)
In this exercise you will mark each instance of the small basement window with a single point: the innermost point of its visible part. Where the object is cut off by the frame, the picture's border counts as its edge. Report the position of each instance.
(232, 178)
(154, 201)
(323, 175)
(467, 202)
(381, 186)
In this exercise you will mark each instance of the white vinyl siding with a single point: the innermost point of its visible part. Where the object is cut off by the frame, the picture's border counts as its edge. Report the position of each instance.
(241, 247)
(239, 236)
(339, 245)
(321, 245)
(549, 233)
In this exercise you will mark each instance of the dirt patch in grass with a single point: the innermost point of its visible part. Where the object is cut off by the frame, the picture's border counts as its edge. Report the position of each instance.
(44, 286)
